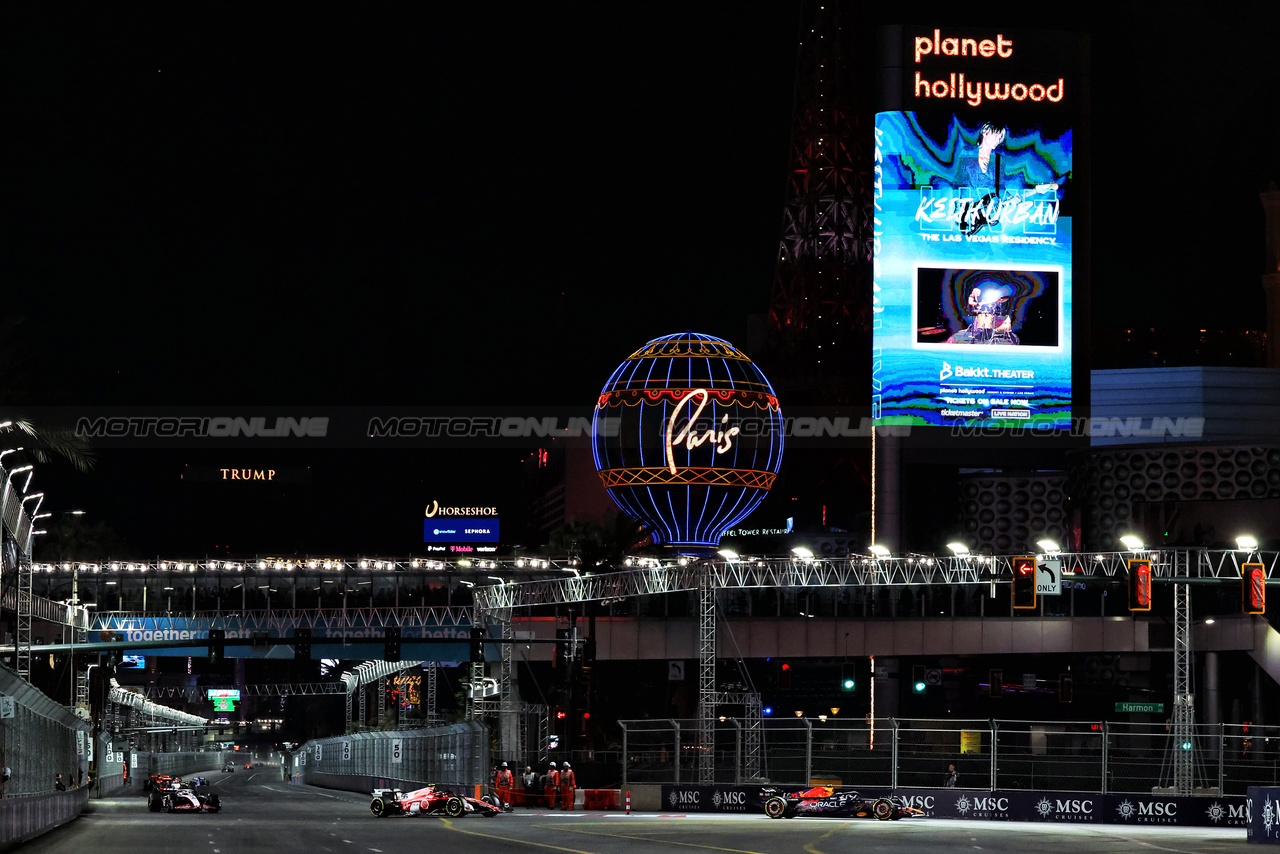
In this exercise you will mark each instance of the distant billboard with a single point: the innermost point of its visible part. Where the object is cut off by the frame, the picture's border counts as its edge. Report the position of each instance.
(467, 529)
(972, 250)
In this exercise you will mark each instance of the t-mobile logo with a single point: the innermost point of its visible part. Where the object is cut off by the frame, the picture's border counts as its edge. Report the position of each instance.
(945, 373)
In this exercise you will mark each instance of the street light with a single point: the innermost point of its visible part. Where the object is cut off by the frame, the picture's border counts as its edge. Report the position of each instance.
(1246, 543)
(1132, 543)
(958, 548)
(801, 551)
(728, 554)
(1049, 546)
(877, 550)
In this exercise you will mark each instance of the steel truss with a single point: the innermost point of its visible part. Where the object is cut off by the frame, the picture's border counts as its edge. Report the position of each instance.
(706, 676)
(22, 639)
(282, 619)
(856, 572)
(1176, 565)
(285, 689)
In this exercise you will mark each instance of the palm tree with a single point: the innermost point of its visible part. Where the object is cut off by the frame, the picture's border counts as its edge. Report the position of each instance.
(45, 442)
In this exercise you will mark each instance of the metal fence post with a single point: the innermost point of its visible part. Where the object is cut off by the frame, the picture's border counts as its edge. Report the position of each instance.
(1106, 754)
(625, 756)
(676, 726)
(995, 752)
(737, 752)
(893, 779)
(1222, 759)
(808, 751)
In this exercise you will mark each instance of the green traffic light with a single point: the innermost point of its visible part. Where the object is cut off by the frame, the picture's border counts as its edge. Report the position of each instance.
(848, 684)
(919, 686)
(1186, 745)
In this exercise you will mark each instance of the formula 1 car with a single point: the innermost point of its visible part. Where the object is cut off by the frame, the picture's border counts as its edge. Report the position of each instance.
(157, 781)
(176, 796)
(433, 800)
(824, 800)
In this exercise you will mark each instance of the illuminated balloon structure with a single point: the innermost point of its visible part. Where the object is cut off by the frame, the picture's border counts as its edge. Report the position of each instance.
(688, 437)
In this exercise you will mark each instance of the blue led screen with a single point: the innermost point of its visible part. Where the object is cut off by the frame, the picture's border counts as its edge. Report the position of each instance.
(972, 271)
(463, 529)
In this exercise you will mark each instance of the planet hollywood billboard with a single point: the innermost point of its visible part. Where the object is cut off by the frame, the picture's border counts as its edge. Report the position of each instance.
(974, 186)
(687, 438)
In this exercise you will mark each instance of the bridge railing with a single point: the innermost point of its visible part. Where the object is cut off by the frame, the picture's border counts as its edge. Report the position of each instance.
(1087, 756)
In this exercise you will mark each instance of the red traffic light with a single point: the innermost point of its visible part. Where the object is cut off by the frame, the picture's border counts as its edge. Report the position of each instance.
(786, 666)
(586, 715)
(1024, 582)
(560, 716)
(1140, 584)
(1254, 595)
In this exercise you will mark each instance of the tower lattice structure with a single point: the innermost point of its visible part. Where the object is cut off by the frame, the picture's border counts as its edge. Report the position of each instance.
(820, 310)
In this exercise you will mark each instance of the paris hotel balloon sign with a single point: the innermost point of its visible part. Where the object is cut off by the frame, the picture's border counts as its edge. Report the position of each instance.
(688, 437)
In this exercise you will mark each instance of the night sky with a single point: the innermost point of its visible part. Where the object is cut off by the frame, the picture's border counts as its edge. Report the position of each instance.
(221, 204)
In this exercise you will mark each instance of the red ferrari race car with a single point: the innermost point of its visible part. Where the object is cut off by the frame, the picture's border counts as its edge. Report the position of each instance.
(433, 800)
(824, 800)
(175, 796)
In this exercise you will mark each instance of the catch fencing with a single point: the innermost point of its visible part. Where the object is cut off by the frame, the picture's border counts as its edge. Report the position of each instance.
(1089, 756)
(455, 756)
(41, 739)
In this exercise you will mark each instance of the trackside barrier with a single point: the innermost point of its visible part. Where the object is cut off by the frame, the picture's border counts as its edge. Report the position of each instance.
(455, 756)
(1100, 757)
(143, 764)
(981, 805)
(599, 799)
(1263, 811)
(24, 818)
(42, 739)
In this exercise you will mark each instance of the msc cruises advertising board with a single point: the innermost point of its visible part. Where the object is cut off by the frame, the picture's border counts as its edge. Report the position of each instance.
(972, 249)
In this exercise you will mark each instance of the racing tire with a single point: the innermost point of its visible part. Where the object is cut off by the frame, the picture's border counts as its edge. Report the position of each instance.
(455, 808)
(378, 807)
(884, 809)
(215, 803)
(153, 803)
(168, 805)
(775, 807)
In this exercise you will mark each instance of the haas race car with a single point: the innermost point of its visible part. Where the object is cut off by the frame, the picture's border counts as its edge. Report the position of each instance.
(824, 800)
(433, 800)
(176, 796)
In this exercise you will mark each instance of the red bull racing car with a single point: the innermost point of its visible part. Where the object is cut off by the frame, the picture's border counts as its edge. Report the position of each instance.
(176, 796)
(433, 800)
(824, 800)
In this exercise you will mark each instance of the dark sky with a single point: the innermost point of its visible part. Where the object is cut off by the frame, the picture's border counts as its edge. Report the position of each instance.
(222, 204)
